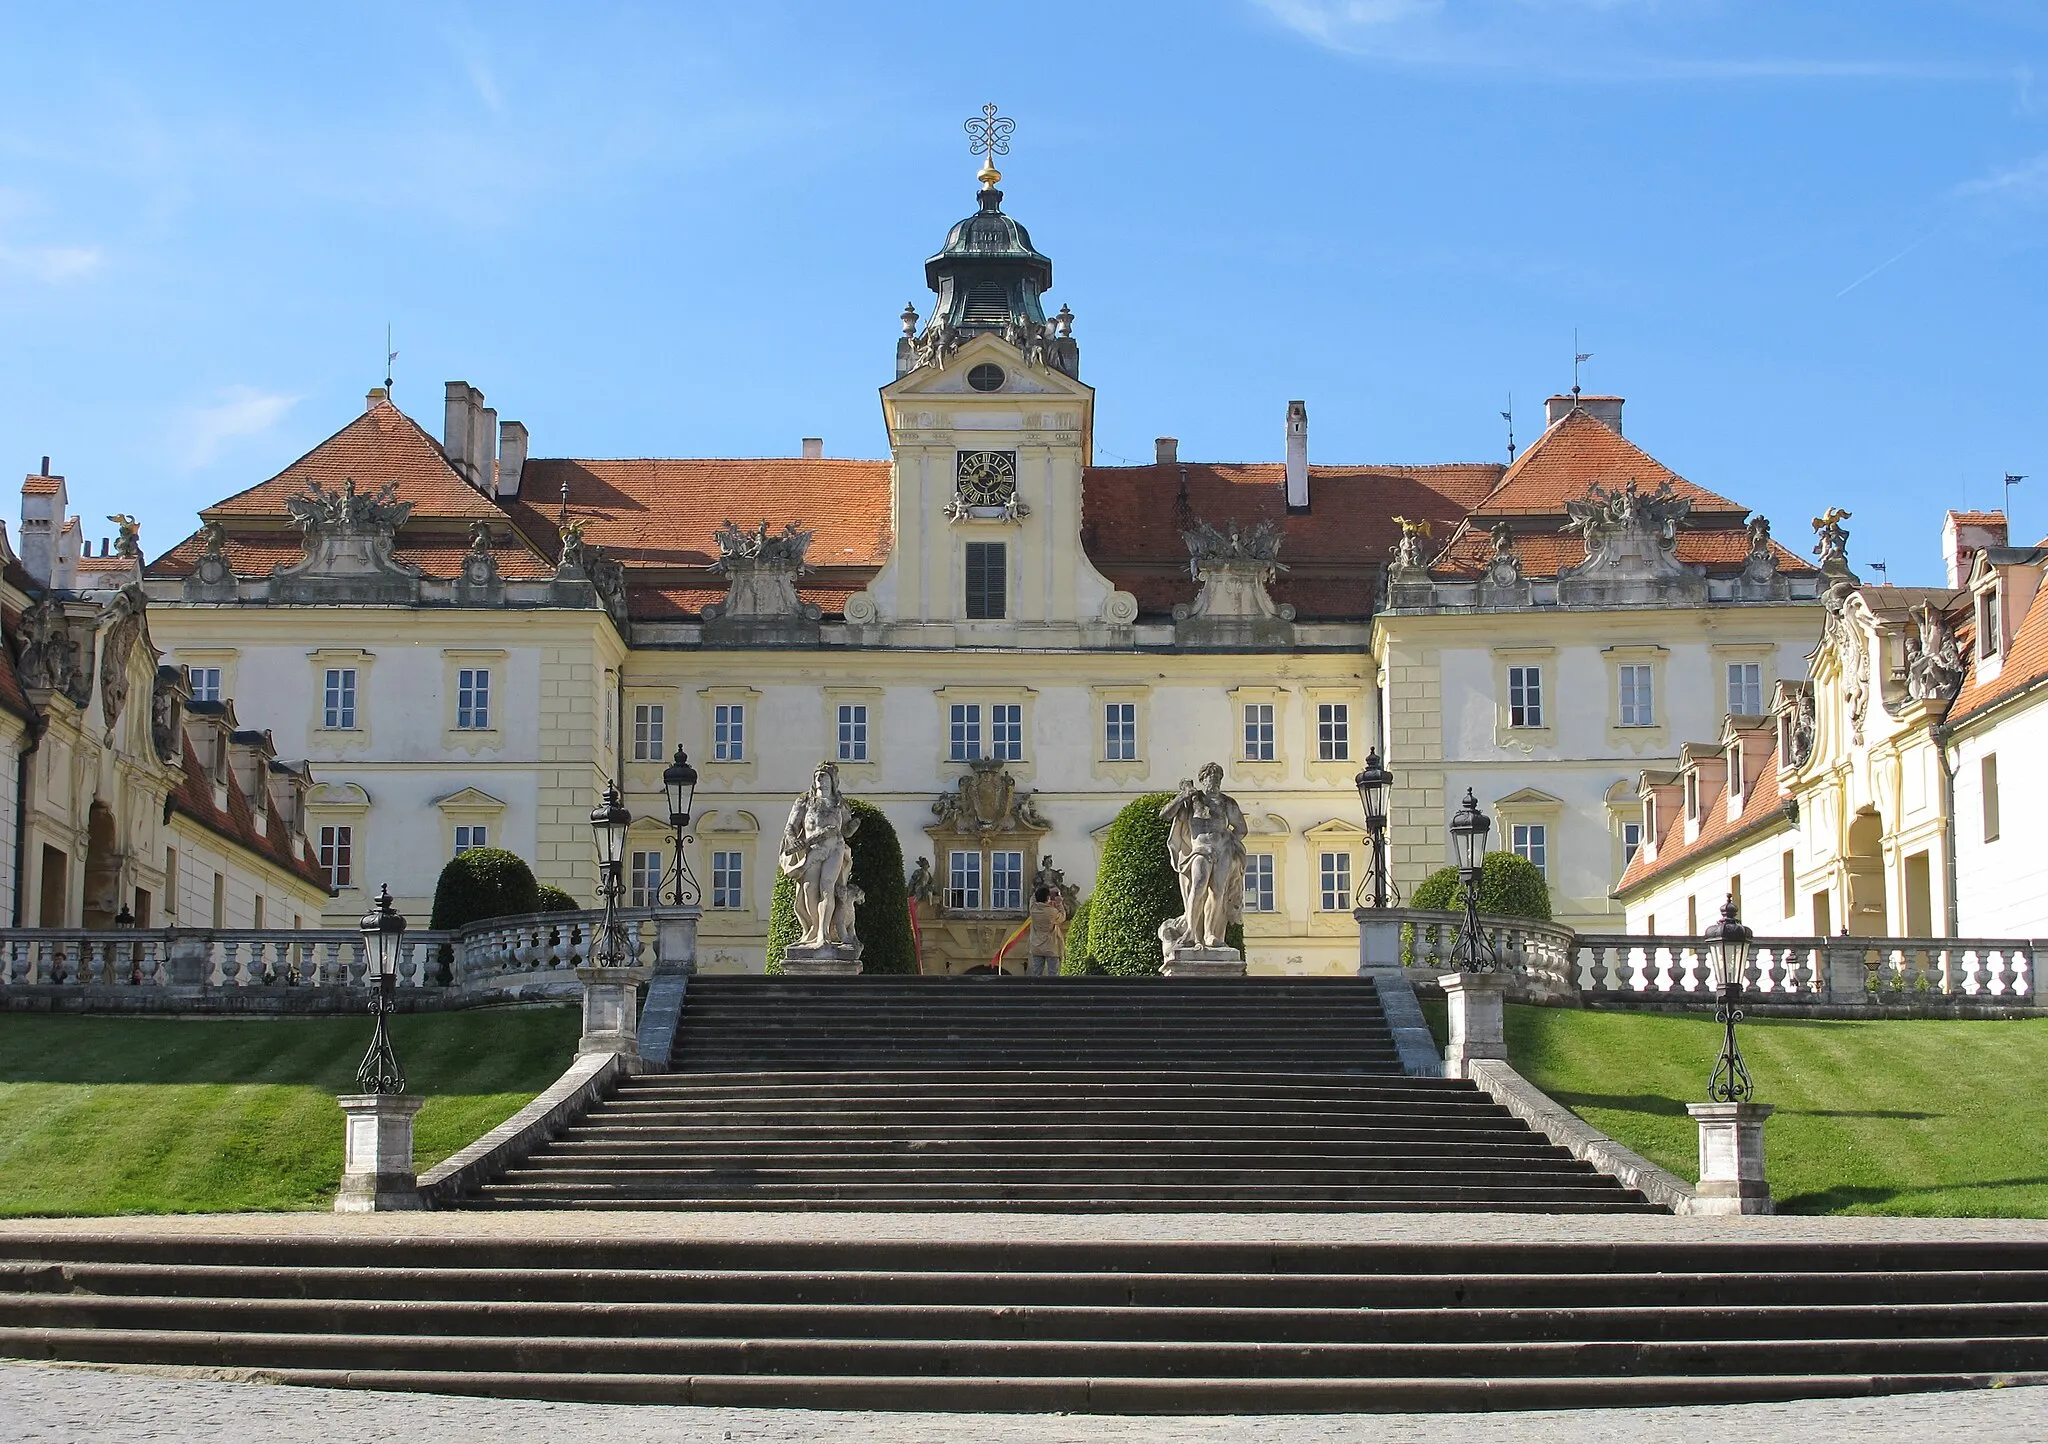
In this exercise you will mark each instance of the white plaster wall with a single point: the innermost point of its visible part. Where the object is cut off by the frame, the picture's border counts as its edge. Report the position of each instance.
(10, 763)
(2002, 886)
(1760, 866)
(202, 854)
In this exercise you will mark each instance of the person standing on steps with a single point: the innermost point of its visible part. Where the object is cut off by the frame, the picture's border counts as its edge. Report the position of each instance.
(1048, 933)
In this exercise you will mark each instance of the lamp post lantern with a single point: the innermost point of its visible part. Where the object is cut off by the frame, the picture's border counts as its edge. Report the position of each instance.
(383, 929)
(679, 781)
(1469, 826)
(1726, 943)
(1373, 783)
(609, 824)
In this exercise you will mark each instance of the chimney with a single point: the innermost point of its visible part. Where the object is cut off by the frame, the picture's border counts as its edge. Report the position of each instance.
(376, 397)
(46, 466)
(1166, 451)
(455, 428)
(43, 504)
(1963, 535)
(485, 454)
(469, 434)
(1604, 409)
(1297, 456)
(814, 448)
(511, 456)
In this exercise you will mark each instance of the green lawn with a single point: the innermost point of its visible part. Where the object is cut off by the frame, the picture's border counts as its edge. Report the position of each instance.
(173, 1115)
(1904, 1117)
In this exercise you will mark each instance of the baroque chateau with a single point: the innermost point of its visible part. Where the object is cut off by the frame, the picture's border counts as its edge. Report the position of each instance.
(998, 641)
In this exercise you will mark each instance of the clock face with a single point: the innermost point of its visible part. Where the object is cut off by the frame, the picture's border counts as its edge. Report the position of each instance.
(986, 377)
(986, 478)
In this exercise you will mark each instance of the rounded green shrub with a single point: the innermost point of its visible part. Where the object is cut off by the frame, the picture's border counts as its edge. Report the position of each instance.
(1509, 886)
(1077, 960)
(483, 882)
(883, 918)
(552, 899)
(1135, 891)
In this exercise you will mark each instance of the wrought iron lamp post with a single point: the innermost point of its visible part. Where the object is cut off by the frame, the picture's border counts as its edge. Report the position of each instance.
(679, 781)
(1727, 947)
(383, 929)
(1469, 826)
(1373, 783)
(609, 823)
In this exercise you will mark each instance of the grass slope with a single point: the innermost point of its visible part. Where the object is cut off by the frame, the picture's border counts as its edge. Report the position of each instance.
(174, 1115)
(1924, 1117)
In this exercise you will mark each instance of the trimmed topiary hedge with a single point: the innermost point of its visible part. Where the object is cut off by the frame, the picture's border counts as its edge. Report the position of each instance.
(1078, 961)
(882, 921)
(553, 900)
(1509, 886)
(1135, 890)
(483, 882)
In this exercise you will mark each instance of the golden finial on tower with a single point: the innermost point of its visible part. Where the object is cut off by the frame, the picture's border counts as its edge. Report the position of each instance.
(988, 136)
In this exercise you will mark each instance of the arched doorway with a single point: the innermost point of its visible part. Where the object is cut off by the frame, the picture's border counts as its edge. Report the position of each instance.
(1865, 915)
(102, 868)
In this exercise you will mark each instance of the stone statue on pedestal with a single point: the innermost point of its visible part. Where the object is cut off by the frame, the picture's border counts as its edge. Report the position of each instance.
(817, 852)
(1205, 838)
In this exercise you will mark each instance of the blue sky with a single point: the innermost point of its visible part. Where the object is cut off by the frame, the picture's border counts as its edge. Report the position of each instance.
(1804, 239)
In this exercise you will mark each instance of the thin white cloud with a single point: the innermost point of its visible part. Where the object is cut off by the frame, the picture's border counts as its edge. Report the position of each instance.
(241, 411)
(51, 265)
(2025, 183)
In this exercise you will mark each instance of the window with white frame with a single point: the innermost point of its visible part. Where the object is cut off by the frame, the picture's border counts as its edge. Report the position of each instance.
(729, 732)
(1746, 689)
(1333, 731)
(1006, 881)
(650, 725)
(1530, 841)
(1335, 868)
(338, 707)
(963, 737)
(1525, 696)
(1631, 842)
(1258, 882)
(1120, 732)
(338, 855)
(473, 699)
(853, 733)
(963, 881)
(1258, 731)
(643, 879)
(469, 835)
(728, 880)
(205, 683)
(1638, 702)
(1988, 643)
(1006, 731)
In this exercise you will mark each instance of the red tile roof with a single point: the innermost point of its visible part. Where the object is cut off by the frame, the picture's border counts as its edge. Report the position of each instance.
(1546, 553)
(382, 445)
(1764, 805)
(1978, 518)
(2025, 663)
(236, 822)
(38, 485)
(1577, 453)
(258, 554)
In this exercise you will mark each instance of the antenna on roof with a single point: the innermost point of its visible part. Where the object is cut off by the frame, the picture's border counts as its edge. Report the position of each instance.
(1509, 417)
(1884, 567)
(2011, 481)
(563, 523)
(1579, 358)
(389, 357)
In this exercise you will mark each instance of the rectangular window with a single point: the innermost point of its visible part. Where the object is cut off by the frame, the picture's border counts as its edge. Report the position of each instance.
(1987, 626)
(339, 709)
(258, 919)
(1530, 840)
(1258, 731)
(1525, 696)
(1746, 689)
(1336, 873)
(963, 881)
(1006, 731)
(220, 901)
(1735, 891)
(728, 878)
(473, 699)
(1823, 914)
(729, 732)
(853, 734)
(963, 739)
(1120, 732)
(205, 683)
(338, 856)
(1788, 885)
(1631, 842)
(1638, 706)
(649, 727)
(171, 878)
(467, 837)
(1006, 881)
(1987, 771)
(987, 580)
(643, 880)
(1333, 732)
(1258, 882)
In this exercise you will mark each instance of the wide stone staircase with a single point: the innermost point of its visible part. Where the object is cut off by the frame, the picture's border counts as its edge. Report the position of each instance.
(1106, 1327)
(1052, 1094)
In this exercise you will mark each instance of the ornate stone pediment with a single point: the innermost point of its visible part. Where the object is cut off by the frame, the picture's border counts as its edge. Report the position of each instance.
(1631, 541)
(761, 604)
(1235, 568)
(987, 800)
(582, 564)
(124, 628)
(348, 536)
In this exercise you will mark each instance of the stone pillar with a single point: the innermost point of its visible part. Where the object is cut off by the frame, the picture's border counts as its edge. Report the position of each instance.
(190, 961)
(675, 941)
(1731, 1158)
(1478, 1027)
(376, 1166)
(1379, 939)
(611, 1011)
(1848, 980)
(833, 960)
(1203, 963)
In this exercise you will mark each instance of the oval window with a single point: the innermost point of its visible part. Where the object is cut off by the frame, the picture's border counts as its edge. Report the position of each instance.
(986, 377)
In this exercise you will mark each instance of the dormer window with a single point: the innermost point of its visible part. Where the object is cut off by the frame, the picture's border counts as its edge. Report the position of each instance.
(1692, 796)
(1989, 642)
(1735, 782)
